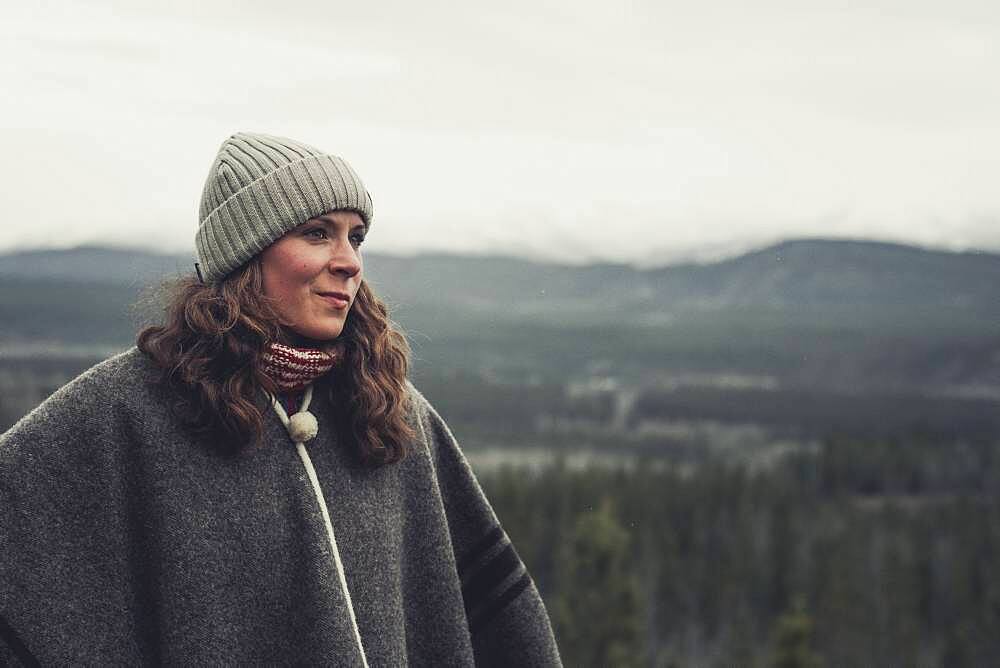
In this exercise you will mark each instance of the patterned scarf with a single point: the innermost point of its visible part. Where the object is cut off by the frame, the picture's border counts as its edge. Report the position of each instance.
(294, 368)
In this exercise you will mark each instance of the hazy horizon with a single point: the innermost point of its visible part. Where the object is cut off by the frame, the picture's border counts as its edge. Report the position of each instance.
(706, 256)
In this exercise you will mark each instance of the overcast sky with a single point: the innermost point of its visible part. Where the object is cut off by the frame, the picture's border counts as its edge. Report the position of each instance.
(637, 131)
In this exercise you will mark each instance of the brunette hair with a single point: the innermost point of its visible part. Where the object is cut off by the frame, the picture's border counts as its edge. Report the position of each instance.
(209, 352)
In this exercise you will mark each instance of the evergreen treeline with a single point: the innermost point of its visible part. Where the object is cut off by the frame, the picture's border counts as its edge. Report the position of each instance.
(867, 554)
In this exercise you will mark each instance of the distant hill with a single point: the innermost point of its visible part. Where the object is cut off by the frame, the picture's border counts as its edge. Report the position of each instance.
(794, 274)
(840, 273)
(842, 314)
(93, 264)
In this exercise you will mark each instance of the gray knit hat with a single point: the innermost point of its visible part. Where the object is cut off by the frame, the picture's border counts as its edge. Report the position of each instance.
(262, 186)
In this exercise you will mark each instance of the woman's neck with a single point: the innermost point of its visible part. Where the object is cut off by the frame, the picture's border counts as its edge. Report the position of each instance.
(292, 338)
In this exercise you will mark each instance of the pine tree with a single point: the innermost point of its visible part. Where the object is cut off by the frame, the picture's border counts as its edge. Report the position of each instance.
(597, 612)
(790, 646)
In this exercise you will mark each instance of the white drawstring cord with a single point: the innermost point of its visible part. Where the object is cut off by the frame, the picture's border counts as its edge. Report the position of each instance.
(290, 425)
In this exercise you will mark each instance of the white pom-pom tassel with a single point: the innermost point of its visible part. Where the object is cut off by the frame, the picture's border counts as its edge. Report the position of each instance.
(303, 427)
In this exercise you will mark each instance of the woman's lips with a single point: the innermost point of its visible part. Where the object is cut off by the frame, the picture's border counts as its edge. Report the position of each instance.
(338, 300)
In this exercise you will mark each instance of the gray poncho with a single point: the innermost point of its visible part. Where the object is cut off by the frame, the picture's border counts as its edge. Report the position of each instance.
(124, 540)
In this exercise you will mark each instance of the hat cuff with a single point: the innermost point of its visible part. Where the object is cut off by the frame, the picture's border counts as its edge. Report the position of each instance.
(261, 212)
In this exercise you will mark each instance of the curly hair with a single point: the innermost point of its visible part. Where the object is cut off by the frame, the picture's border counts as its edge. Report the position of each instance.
(209, 351)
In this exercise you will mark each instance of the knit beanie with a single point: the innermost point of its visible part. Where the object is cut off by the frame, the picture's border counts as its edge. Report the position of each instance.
(260, 187)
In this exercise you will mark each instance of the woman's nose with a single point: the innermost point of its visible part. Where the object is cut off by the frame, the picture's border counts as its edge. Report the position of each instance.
(345, 260)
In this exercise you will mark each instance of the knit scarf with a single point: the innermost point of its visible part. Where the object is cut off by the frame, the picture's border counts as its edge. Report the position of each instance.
(293, 368)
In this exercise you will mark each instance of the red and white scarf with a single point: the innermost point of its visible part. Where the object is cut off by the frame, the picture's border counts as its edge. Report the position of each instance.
(293, 368)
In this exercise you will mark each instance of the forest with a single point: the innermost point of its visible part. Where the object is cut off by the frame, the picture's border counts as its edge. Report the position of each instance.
(865, 554)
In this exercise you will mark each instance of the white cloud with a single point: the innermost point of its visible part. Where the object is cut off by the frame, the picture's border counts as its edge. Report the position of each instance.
(564, 129)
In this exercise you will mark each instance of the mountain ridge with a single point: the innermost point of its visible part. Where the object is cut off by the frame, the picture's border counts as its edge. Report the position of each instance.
(807, 312)
(796, 273)
(682, 260)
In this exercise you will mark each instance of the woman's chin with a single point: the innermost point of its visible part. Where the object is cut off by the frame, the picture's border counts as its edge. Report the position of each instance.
(313, 337)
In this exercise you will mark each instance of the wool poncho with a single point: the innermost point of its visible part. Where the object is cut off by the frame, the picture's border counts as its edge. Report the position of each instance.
(125, 540)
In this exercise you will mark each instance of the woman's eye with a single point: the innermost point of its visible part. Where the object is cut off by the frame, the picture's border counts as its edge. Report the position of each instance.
(316, 232)
(357, 239)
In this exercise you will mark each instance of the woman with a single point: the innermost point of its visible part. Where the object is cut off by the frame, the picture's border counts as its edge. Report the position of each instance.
(257, 481)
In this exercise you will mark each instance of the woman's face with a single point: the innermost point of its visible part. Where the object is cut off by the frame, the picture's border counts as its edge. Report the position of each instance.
(314, 272)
